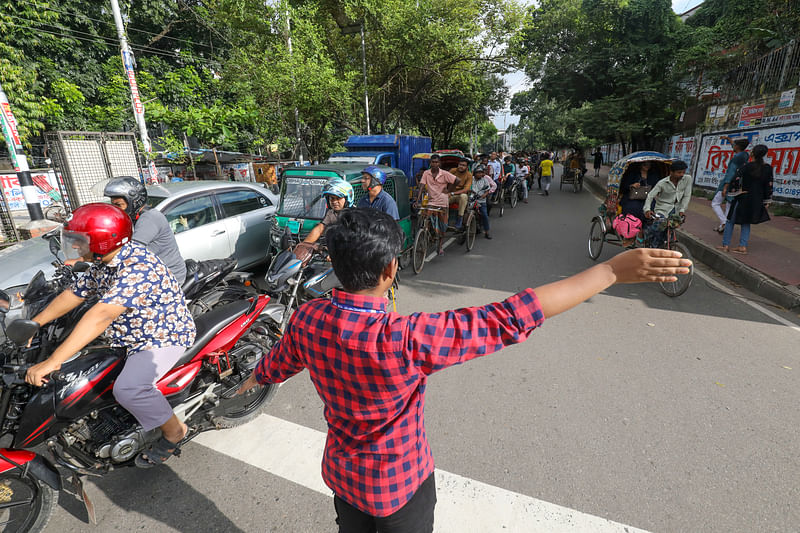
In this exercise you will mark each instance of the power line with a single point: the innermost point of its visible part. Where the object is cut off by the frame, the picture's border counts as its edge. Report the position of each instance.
(127, 28)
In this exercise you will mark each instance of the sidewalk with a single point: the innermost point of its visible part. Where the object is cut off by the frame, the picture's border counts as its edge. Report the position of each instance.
(771, 269)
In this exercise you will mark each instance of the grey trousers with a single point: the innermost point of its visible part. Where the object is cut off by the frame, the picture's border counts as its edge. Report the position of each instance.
(135, 388)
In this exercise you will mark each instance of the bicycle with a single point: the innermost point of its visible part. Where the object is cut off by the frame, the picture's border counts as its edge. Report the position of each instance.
(470, 227)
(425, 236)
(600, 233)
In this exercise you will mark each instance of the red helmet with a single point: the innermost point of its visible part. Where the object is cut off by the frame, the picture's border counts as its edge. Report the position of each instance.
(95, 229)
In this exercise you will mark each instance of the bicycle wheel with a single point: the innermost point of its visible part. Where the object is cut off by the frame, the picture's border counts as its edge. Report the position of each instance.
(596, 239)
(420, 249)
(575, 184)
(676, 288)
(513, 199)
(471, 230)
(502, 200)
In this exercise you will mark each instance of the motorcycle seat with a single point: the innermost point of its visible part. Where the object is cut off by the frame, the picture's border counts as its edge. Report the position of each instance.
(211, 323)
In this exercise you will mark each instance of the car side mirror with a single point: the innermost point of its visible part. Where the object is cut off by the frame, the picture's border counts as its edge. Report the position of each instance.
(20, 331)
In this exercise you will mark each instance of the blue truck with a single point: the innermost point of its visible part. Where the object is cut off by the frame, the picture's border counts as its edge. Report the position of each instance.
(394, 151)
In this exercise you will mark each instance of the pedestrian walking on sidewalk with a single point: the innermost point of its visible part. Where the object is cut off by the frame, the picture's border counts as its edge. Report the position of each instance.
(749, 205)
(598, 161)
(370, 366)
(738, 160)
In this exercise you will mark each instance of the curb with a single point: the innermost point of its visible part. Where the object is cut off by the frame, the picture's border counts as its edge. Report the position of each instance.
(735, 271)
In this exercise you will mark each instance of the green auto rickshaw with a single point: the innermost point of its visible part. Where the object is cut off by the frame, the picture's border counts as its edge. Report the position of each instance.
(302, 206)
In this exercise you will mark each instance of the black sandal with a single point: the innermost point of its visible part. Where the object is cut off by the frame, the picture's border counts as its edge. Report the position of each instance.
(158, 453)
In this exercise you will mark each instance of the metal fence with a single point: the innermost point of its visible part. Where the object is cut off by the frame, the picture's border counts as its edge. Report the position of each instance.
(8, 230)
(86, 160)
(776, 71)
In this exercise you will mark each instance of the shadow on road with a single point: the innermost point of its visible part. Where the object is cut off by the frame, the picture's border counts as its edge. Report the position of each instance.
(157, 493)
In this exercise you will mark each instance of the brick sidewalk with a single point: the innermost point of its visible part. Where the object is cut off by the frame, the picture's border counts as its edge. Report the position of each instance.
(774, 248)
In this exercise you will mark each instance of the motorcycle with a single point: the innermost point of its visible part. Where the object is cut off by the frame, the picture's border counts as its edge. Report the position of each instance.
(215, 282)
(82, 428)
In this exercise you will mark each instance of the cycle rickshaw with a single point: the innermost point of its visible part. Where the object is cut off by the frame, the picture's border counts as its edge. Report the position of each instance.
(602, 231)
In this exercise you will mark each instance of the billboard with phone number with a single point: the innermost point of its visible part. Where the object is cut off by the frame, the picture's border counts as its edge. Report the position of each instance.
(783, 155)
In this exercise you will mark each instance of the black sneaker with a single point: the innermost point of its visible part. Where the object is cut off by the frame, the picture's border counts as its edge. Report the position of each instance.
(487, 235)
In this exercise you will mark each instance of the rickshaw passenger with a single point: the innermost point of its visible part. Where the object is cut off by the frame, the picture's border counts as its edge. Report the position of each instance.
(339, 195)
(372, 180)
(638, 175)
(435, 181)
(462, 194)
(671, 195)
(483, 186)
(509, 171)
(494, 168)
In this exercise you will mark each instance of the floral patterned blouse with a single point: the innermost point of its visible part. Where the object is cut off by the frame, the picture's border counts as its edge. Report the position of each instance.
(157, 315)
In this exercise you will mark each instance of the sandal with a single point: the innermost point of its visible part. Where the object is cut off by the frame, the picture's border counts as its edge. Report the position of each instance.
(740, 250)
(723, 248)
(158, 453)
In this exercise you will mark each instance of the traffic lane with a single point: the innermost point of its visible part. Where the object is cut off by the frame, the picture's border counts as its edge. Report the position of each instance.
(201, 491)
(546, 240)
(655, 398)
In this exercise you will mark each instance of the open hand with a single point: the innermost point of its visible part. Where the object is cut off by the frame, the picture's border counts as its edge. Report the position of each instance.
(648, 264)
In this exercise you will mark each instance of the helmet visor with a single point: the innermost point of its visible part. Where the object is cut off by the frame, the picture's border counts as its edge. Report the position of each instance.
(75, 245)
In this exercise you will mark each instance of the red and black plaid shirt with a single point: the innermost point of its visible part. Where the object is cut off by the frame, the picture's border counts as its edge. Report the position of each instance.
(370, 368)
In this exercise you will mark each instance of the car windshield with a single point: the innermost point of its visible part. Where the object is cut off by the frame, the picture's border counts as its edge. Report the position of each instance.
(302, 198)
(153, 201)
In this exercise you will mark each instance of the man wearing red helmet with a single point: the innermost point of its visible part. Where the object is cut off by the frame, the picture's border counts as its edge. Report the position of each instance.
(140, 306)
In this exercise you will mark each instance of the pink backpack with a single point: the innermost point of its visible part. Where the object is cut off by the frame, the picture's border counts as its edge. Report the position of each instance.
(627, 226)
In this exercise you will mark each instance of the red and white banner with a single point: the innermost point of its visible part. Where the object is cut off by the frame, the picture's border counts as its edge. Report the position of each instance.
(783, 156)
(13, 191)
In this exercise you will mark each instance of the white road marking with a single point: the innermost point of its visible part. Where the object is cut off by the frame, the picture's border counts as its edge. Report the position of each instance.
(294, 452)
(752, 304)
(447, 243)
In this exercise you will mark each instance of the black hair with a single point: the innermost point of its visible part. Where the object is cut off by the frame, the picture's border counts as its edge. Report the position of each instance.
(362, 243)
(741, 143)
(678, 165)
(758, 153)
(435, 157)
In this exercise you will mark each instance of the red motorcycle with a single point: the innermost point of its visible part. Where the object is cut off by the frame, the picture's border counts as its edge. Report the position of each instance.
(84, 430)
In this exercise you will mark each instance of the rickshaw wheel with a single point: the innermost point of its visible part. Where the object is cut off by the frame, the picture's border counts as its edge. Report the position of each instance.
(420, 250)
(472, 230)
(502, 200)
(575, 184)
(513, 198)
(596, 238)
(676, 288)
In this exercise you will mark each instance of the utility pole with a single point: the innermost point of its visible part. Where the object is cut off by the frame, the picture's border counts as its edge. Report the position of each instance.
(138, 107)
(364, 68)
(294, 88)
(11, 135)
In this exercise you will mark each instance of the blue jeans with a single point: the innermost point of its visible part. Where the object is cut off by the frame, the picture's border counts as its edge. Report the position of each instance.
(484, 217)
(728, 233)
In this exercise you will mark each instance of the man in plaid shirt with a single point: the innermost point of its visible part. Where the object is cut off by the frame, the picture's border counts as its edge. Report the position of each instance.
(370, 366)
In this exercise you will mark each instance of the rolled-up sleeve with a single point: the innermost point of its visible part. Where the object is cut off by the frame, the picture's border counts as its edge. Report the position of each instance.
(439, 340)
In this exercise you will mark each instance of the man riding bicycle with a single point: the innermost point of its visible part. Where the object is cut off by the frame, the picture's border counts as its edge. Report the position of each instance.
(672, 195)
(434, 183)
(140, 306)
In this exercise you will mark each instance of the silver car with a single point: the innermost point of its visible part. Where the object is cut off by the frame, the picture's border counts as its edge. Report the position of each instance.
(211, 220)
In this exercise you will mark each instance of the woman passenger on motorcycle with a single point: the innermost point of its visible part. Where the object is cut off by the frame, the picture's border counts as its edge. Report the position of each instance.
(140, 306)
(339, 195)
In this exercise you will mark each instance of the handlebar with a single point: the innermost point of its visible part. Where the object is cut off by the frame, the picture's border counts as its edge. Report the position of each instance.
(15, 375)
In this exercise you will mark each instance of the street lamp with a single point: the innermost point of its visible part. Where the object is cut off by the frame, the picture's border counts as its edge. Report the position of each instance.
(359, 28)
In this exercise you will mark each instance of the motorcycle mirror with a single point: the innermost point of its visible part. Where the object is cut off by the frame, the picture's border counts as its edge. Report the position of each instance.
(81, 266)
(5, 302)
(55, 246)
(20, 331)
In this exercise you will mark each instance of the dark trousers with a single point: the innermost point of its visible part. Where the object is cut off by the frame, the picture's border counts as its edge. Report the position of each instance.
(414, 517)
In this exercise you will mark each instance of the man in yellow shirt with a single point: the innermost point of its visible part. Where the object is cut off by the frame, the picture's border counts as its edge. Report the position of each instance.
(546, 170)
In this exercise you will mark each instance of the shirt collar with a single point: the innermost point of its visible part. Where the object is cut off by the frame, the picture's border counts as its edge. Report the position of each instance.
(359, 301)
(122, 255)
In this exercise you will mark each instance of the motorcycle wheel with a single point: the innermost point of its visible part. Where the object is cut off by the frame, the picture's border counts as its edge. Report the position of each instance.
(30, 502)
(237, 409)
